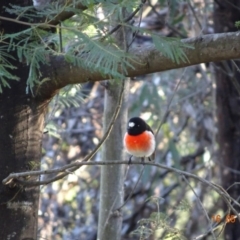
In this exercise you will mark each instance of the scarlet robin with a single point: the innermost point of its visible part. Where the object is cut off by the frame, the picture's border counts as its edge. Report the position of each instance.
(139, 139)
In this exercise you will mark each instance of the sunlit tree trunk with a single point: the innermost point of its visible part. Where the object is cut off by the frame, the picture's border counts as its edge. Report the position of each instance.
(226, 13)
(112, 177)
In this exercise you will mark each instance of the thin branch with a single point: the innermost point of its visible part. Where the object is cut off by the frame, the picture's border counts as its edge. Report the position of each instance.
(132, 191)
(233, 5)
(64, 171)
(136, 32)
(226, 197)
(37, 25)
(166, 23)
(231, 74)
(127, 19)
(64, 15)
(200, 203)
(169, 103)
(235, 65)
(194, 14)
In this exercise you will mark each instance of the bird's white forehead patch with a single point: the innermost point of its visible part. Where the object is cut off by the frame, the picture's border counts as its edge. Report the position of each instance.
(131, 124)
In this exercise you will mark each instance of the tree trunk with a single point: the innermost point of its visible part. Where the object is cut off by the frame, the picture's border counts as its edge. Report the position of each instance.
(112, 177)
(20, 150)
(21, 121)
(228, 111)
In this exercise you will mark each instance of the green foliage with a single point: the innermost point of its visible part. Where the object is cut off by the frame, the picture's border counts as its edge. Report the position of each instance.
(98, 56)
(84, 40)
(172, 48)
(183, 206)
(159, 221)
(32, 50)
(237, 24)
(69, 96)
(5, 66)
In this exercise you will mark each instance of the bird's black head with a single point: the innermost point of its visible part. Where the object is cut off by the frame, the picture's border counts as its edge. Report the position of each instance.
(137, 126)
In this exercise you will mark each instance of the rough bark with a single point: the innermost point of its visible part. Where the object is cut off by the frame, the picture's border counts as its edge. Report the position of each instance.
(228, 111)
(21, 121)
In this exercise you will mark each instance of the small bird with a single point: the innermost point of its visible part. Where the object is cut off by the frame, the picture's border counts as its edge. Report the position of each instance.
(139, 139)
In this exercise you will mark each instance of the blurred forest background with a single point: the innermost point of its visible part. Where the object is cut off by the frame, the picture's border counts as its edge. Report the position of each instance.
(183, 101)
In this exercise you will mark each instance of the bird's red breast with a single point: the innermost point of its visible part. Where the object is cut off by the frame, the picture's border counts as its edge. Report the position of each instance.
(141, 145)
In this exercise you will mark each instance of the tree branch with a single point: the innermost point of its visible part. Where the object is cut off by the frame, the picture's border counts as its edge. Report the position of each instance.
(207, 48)
(63, 15)
(226, 197)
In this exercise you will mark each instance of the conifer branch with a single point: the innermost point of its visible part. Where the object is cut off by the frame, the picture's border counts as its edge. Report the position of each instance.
(207, 48)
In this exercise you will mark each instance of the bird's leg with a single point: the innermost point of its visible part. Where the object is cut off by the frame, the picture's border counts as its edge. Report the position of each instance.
(142, 160)
(130, 160)
(149, 159)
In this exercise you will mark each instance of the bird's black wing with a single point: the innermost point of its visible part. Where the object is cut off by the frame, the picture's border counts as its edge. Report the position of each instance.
(149, 129)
